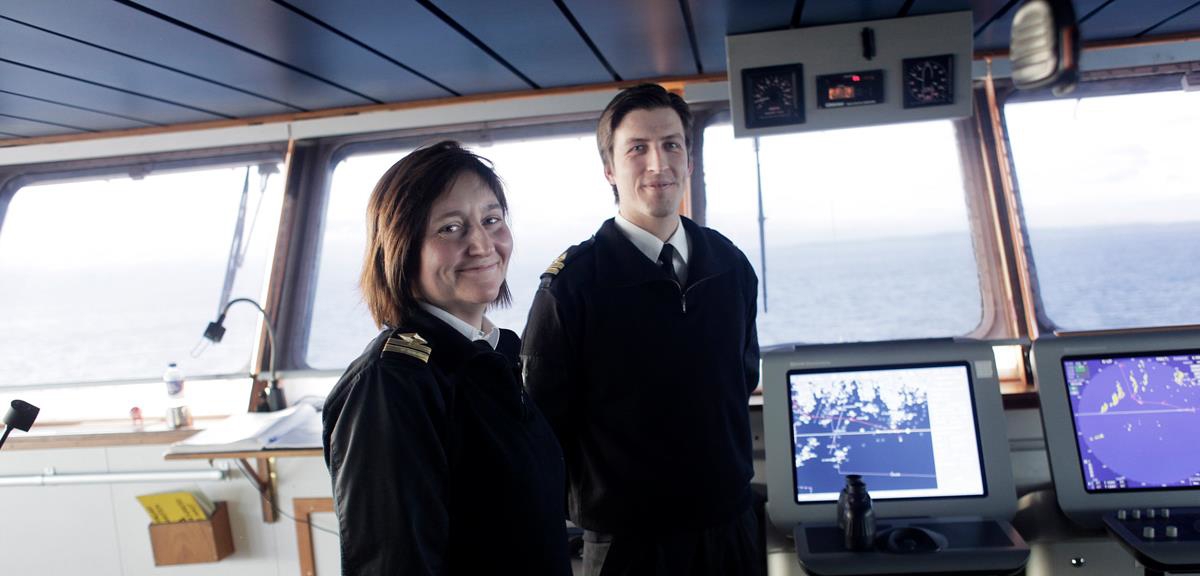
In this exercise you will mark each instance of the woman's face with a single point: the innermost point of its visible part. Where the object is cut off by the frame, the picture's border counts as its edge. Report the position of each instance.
(466, 247)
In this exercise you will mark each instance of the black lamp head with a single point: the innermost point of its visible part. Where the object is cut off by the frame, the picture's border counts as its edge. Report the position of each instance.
(21, 415)
(215, 330)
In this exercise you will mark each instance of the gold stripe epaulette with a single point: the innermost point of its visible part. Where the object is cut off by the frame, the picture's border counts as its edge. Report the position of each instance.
(557, 265)
(411, 344)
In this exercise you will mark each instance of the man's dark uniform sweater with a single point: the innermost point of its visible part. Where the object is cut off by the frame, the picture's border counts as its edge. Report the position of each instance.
(646, 382)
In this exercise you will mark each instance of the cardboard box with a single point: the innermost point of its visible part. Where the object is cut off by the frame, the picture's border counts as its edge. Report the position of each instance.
(192, 542)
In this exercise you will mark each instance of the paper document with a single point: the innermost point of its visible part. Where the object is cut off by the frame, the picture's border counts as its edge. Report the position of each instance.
(256, 431)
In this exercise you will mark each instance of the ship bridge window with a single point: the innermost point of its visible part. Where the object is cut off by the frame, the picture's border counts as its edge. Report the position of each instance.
(1111, 207)
(864, 232)
(557, 196)
(104, 281)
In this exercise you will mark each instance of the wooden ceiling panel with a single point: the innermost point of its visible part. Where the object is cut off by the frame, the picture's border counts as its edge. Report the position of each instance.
(640, 38)
(274, 33)
(21, 45)
(138, 109)
(45, 110)
(1126, 18)
(412, 35)
(526, 33)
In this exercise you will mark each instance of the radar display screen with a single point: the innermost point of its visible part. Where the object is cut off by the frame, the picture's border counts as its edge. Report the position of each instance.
(909, 431)
(1136, 420)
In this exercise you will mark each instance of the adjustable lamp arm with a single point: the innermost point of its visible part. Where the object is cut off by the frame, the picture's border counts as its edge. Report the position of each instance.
(216, 330)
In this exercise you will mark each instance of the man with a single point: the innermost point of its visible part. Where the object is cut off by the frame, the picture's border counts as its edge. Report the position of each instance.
(642, 350)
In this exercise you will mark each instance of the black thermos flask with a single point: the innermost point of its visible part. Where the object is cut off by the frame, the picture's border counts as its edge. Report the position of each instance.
(855, 515)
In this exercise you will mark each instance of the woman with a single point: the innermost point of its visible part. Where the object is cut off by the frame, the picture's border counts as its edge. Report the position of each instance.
(440, 463)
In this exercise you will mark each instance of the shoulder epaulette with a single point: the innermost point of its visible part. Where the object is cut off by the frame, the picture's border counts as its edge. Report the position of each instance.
(561, 262)
(557, 265)
(410, 344)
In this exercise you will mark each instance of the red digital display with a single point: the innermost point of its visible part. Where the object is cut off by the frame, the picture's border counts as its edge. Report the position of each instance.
(850, 89)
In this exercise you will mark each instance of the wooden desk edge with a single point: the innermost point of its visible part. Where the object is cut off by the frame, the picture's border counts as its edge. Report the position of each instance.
(98, 440)
(250, 455)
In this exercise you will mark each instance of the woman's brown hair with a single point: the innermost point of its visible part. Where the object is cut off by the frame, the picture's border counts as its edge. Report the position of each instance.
(397, 218)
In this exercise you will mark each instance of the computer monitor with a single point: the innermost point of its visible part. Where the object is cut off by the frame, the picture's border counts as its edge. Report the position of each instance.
(1120, 413)
(921, 421)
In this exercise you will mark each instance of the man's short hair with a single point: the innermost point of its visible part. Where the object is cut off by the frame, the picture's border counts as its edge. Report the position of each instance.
(640, 97)
(398, 217)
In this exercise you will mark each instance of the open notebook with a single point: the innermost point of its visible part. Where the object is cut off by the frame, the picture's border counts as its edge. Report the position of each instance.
(295, 427)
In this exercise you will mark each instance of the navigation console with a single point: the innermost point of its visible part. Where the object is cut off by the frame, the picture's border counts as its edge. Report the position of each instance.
(922, 423)
(1121, 414)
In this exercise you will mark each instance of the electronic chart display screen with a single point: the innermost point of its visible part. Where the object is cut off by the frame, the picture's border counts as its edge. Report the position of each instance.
(910, 431)
(1136, 420)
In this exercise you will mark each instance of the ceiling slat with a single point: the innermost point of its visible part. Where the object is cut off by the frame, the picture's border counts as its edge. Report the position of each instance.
(291, 40)
(1126, 18)
(640, 38)
(119, 64)
(923, 7)
(765, 15)
(426, 44)
(24, 128)
(240, 85)
(42, 110)
(30, 82)
(1188, 21)
(526, 33)
(998, 35)
(825, 12)
(715, 19)
(34, 48)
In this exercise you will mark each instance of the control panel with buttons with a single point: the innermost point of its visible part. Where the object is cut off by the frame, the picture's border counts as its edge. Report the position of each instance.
(1165, 539)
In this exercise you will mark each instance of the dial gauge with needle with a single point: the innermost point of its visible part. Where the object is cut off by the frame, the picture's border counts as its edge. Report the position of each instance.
(928, 81)
(773, 95)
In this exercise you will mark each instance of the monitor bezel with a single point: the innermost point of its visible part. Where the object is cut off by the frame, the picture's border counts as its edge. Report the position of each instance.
(1062, 447)
(951, 364)
(999, 499)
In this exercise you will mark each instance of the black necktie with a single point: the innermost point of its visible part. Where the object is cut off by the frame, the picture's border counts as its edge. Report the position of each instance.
(666, 261)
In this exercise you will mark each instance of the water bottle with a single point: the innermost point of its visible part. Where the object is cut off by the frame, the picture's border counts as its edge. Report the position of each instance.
(856, 515)
(178, 414)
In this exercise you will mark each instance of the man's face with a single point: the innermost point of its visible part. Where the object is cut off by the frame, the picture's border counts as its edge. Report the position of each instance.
(650, 166)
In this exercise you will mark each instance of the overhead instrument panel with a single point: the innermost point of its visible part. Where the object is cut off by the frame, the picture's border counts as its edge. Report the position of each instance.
(850, 75)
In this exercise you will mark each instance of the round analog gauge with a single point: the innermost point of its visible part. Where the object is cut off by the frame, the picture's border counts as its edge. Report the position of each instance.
(773, 95)
(928, 81)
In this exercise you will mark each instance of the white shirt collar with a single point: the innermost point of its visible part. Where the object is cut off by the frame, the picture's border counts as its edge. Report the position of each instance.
(489, 333)
(651, 246)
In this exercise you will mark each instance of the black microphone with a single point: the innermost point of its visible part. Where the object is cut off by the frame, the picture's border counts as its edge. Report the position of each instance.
(20, 416)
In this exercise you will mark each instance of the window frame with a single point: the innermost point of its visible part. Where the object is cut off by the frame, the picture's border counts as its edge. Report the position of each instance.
(994, 314)
(15, 178)
(307, 195)
(1115, 82)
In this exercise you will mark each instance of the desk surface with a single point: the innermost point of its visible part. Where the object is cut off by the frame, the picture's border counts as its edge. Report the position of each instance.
(1057, 548)
(94, 435)
(248, 454)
